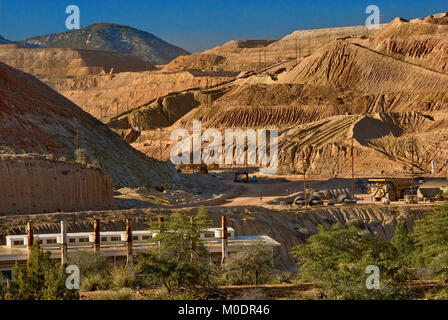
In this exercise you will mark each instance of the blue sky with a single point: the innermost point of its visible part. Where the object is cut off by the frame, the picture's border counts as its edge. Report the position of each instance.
(201, 24)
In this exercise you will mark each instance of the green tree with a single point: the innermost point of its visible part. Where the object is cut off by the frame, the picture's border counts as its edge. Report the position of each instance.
(249, 265)
(404, 245)
(336, 258)
(94, 270)
(3, 288)
(89, 262)
(431, 242)
(402, 240)
(179, 258)
(41, 279)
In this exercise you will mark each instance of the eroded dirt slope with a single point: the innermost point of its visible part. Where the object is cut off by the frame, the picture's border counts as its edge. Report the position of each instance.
(33, 184)
(36, 119)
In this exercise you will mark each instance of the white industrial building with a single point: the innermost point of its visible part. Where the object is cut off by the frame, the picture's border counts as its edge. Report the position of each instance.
(113, 244)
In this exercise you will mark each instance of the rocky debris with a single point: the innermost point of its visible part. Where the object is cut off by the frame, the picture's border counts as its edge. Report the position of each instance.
(50, 64)
(196, 61)
(439, 18)
(341, 64)
(165, 111)
(33, 184)
(36, 119)
(382, 142)
(111, 95)
(402, 28)
(111, 37)
(248, 55)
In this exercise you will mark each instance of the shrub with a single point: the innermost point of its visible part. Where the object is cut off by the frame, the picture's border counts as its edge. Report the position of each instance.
(122, 294)
(121, 277)
(430, 236)
(336, 258)
(175, 263)
(249, 265)
(89, 262)
(81, 157)
(94, 282)
(41, 279)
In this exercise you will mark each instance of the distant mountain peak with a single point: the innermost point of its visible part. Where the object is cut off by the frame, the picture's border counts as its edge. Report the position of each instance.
(4, 41)
(107, 36)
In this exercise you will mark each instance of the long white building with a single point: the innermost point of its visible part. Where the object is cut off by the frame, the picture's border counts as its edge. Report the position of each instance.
(113, 245)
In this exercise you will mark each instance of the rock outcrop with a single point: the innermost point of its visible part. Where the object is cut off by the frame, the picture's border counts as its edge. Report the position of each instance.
(33, 184)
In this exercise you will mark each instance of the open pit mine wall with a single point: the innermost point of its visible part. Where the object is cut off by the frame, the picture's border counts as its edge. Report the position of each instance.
(37, 185)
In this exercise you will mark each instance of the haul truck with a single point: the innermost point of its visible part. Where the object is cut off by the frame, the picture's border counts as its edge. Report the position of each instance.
(390, 188)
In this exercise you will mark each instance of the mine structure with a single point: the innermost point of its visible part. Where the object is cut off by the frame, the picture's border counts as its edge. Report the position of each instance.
(118, 246)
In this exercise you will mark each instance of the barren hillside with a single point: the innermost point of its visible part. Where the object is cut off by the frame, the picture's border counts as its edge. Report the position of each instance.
(111, 37)
(4, 41)
(68, 63)
(386, 99)
(36, 119)
(383, 144)
(245, 55)
(106, 96)
(349, 66)
(420, 41)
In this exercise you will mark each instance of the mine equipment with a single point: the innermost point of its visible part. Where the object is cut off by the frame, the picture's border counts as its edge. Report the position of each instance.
(245, 175)
(390, 188)
(312, 200)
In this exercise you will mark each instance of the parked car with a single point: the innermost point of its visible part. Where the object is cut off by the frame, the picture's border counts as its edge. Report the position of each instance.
(343, 198)
(216, 175)
(311, 200)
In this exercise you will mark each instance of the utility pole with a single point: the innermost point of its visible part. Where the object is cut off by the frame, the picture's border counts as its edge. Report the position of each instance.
(30, 234)
(297, 57)
(140, 126)
(161, 221)
(193, 258)
(208, 93)
(304, 181)
(309, 47)
(265, 65)
(63, 243)
(353, 173)
(160, 143)
(223, 239)
(77, 139)
(412, 169)
(96, 236)
(129, 245)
